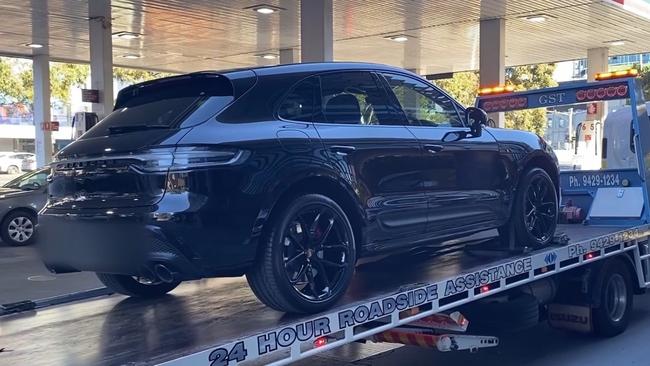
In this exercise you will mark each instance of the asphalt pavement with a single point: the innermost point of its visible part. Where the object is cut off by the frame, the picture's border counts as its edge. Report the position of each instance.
(23, 277)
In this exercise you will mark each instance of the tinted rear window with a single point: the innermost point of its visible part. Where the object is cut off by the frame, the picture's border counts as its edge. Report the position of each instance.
(171, 103)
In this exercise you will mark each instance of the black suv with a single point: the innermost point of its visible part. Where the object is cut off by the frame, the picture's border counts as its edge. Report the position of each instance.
(287, 174)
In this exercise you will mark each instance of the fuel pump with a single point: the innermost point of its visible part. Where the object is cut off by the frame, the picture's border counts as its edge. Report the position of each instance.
(82, 122)
(588, 139)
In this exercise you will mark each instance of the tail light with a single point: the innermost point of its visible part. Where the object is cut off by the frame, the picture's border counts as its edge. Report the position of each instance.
(159, 160)
(184, 158)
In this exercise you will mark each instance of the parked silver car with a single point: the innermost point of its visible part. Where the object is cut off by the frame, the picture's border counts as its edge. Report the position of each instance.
(29, 164)
(12, 162)
(20, 200)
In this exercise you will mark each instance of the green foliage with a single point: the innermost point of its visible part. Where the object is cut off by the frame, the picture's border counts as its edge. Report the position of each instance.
(526, 78)
(12, 88)
(63, 77)
(17, 81)
(133, 76)
(463, 87)
(644, 75)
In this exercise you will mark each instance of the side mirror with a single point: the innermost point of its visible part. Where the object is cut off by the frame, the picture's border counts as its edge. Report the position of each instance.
(453, 136)
(476, 118)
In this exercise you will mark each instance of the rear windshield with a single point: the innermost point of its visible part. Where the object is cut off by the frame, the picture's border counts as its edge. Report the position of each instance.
(167, 104)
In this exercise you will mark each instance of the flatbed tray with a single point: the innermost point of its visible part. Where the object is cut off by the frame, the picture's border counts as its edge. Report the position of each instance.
(204, 314)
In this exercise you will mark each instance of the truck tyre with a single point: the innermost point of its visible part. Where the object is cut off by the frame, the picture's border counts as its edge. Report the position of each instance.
(130, 286)
(535, 210)
(18, 228)
(306, 256)
(615, 295)
(500, 315)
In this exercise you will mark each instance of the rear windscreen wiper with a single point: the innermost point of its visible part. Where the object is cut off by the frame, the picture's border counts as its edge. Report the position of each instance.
(130, 128)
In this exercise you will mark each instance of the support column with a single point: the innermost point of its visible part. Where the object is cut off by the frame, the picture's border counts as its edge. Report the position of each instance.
(597, 61)
(43, 143)
(289, 56)
(316, 30)
(492, 58)
(101, 55)
(594, 124)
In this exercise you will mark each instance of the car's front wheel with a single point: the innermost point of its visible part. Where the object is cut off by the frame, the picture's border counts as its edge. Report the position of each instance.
(13, 169)
(18, 228)
(136, 286)
(306, 258)
(535, 211)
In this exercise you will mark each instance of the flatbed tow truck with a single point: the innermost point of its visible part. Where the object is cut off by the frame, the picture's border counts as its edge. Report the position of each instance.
(590, 271)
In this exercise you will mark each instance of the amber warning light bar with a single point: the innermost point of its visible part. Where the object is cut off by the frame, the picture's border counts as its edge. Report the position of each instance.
(499, 89)
(617, 74)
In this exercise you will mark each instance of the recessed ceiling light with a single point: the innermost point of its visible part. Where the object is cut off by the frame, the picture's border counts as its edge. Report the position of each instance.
(536, 18)
(618, 42)
(265, 8)
(131, 56)
(398, 38)
(126, 35)
(268, 56)
(34, 45)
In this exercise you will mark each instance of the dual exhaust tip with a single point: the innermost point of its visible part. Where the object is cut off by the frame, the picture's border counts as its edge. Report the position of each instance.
(160, 272)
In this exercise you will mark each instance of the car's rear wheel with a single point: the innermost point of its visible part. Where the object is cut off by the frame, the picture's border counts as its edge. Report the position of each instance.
(12, 169)
(19, 228)
(306, 257)
(136, 286)
(535, 210)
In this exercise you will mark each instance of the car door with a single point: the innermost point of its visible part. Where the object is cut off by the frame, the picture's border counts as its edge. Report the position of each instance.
(464, 178)
(375, 153)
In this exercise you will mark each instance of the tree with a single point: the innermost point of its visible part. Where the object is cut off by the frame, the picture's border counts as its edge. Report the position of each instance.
(463, 86)
(644, 75)
(133, 76)
(526, 78)
(12, 88)
(63, 77)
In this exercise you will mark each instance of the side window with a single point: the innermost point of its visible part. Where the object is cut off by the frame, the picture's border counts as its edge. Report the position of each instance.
(354, 98)
(423, 104)
(299, 103)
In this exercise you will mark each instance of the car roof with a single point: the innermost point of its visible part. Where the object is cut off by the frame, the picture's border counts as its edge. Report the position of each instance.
(314, 67)
(297, 68)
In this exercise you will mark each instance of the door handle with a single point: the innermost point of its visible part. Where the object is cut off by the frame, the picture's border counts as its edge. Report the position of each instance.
(342, 149)
(433, 148)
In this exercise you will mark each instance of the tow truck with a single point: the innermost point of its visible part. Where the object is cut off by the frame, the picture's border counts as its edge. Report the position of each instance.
(583, 282)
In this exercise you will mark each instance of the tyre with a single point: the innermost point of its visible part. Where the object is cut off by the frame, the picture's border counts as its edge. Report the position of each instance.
(306, 256)
(12, 169)
(535, 210)
(611, 317)
(135, 287)
(509, 314)
(19, 228)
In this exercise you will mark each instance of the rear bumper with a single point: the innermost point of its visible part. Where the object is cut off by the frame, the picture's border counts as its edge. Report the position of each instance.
(132, 241)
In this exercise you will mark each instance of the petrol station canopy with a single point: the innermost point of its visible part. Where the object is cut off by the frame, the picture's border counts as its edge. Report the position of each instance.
(440, 36)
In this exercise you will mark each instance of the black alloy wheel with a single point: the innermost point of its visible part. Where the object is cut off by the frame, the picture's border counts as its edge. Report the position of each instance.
(316, 252)
(535, 210)
(540, 208)
(309, 257)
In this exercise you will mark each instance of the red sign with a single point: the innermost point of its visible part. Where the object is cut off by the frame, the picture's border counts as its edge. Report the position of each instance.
(50, 126)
